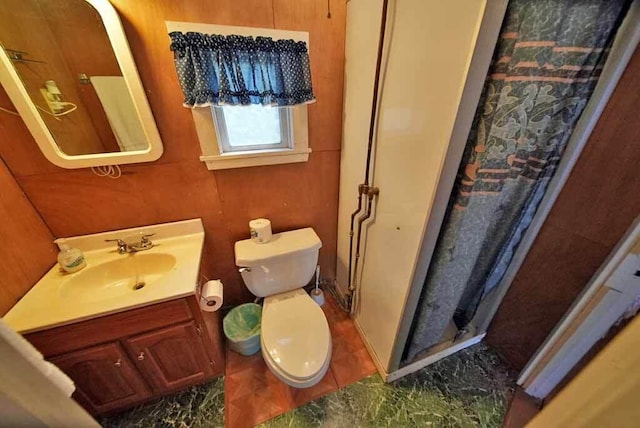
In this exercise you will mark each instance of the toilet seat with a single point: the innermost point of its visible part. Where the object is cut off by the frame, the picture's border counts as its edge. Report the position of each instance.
(295, 338)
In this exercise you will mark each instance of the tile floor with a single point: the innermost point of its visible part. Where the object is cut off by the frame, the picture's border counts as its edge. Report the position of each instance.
(470, 388)
(253, 394)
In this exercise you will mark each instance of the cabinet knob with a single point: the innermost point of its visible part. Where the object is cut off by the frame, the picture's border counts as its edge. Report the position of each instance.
(118, 363)
(141, 356)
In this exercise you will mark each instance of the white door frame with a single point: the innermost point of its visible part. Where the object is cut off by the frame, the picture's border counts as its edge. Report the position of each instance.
(611, 291)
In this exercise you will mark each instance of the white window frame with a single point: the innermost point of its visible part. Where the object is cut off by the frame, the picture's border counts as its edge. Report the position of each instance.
(212, 140)
(286, 132)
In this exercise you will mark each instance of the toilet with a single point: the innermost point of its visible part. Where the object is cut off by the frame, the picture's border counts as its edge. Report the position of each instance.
(295, 337)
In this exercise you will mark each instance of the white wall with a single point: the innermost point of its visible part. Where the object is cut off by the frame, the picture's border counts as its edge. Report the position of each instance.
(431, 47)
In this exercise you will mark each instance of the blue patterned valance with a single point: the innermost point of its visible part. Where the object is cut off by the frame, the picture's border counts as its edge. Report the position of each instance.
(236, 70)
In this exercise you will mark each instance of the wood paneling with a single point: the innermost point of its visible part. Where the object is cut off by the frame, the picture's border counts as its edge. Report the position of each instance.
(596, 206)
(326, 53)
(23, 27)
(26, 244)
(178, 186)
(83, 42)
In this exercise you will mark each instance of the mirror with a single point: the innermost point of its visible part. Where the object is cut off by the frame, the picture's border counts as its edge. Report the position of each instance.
(68, 69)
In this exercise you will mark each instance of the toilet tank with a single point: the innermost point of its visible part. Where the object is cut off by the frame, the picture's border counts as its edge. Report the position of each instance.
(288, 261)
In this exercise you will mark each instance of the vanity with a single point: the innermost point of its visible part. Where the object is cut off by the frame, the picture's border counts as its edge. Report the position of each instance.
(128, 327)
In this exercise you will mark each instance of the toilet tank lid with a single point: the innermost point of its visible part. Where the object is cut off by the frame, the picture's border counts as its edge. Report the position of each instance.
(249, 253)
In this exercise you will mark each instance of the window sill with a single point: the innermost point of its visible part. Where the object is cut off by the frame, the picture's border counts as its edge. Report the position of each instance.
(255, 158)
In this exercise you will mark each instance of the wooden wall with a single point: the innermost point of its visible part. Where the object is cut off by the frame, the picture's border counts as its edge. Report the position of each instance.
(26, 244)
(597, 205)
(89, 54)
(24, 26)
(178, 186)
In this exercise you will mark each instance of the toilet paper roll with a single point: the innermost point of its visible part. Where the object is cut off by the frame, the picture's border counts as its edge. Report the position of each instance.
(211, 296)
(260, 230)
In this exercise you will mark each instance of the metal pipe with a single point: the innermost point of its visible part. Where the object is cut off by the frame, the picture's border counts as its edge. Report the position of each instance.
(371, 194)
(376, 84)
(353, 218)
(363, 189)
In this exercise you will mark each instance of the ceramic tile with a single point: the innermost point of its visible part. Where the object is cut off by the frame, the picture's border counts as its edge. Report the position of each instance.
(350, 361)
(327, 385)
(254, 394)
(236, 362)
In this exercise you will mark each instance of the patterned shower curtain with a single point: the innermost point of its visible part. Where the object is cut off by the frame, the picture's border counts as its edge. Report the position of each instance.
(547, 61)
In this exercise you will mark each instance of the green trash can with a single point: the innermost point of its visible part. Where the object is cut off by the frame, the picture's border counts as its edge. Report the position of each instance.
(242, 328)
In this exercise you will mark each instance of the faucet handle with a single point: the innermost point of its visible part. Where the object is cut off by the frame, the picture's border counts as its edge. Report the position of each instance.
(118, 240)
(122, 245)
(145, 237)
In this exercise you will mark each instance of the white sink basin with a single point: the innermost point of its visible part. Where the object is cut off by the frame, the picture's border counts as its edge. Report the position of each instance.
(114, 282)
(116, 278)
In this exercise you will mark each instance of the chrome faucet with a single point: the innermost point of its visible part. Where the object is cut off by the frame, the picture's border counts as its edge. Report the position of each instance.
(124, 248)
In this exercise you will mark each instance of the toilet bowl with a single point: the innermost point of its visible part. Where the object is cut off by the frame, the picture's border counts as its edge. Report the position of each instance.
(295, 338)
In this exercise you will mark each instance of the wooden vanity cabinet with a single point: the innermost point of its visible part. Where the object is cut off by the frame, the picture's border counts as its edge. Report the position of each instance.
(120, 360)
(171, 358)
(105, 379)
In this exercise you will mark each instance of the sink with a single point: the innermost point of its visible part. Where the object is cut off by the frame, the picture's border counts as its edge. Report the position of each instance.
(130, 273)
(113, 282)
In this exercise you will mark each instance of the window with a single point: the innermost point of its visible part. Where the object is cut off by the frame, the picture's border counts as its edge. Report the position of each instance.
(244, 136)
(253, 128)
(254, 135)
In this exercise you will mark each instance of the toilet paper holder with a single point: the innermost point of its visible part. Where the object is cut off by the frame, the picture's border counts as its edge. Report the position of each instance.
(213, 302)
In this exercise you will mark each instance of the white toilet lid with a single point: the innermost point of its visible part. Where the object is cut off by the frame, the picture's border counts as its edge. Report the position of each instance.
(295, 333)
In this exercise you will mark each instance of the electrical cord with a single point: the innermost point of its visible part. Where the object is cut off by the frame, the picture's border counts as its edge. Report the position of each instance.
(111, 171)
(73, 108)
(58, 115)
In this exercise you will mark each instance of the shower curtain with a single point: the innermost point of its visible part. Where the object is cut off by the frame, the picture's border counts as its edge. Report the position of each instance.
(547, 61)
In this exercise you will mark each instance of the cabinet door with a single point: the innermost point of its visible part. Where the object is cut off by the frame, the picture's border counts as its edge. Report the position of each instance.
(172, 357)
(104, 376)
